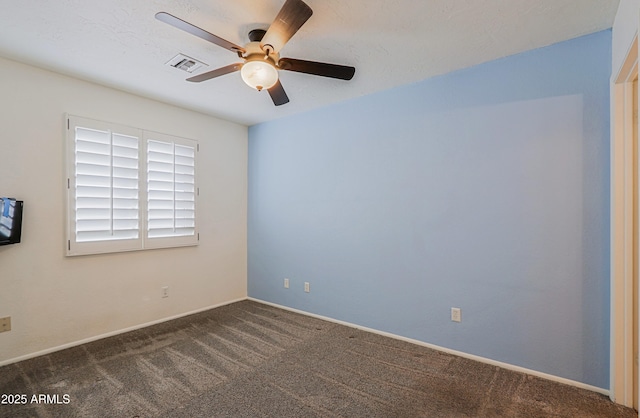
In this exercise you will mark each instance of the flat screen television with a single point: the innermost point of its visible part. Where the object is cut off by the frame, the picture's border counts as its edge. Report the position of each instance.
(10, 220)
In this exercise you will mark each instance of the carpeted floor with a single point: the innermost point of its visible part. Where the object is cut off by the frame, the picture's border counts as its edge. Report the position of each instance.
(252, 360)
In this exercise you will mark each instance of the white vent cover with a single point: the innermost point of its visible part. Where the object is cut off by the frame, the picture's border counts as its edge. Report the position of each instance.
(185, 63)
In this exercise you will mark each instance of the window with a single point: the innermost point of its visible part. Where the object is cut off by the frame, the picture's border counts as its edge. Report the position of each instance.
(128, 189)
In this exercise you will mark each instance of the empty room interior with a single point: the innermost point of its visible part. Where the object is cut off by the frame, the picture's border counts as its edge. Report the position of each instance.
(319, 208)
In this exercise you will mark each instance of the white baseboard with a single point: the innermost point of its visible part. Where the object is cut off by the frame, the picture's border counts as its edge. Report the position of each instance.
(348, 324)
(112, 333)
(446, 350)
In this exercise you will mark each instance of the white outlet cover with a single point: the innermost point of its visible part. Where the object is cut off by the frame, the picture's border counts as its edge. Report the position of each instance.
(456, 315)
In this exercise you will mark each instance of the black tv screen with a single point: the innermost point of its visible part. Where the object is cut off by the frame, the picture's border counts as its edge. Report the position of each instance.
(10, 220)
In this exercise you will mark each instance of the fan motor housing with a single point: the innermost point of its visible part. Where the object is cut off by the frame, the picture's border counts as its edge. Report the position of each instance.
(256, 35)
(253, 52)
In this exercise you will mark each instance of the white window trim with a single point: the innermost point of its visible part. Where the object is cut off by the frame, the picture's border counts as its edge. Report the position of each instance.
(75, 248)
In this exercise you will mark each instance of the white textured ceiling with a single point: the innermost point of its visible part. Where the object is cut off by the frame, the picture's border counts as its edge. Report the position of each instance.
(120, 44)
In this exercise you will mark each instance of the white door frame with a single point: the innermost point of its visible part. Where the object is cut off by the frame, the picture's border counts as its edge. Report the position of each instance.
(622, 245)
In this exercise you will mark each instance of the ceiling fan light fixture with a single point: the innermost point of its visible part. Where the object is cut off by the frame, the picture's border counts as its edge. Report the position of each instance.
(261, 56)
(259, 74)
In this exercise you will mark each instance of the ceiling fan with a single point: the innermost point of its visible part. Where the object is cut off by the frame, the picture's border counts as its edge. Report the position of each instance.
(261, 55)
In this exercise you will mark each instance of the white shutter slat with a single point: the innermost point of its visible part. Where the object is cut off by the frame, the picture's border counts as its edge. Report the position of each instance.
(93, 181)
(187, 151)
(159, 166)
(125, 152)
(157, 224)
(161, 213)
(125, 173)
(93, 236)
(125, 183)
(160, 233)
(161, 204)
(94, 213)
(93, 203)
(154, 195)
(165, 187)
(125, 224)
(89, 191)
(89, 236)
(183, 169)
(93, 225)
(185, 178)
(185, 188)
(126, 194)
(126, 141)
(125, 204)
(185, 205)
(93, 158)
(125, 162)
(92, 169)
(126, 213)
(159, 176)
(160, 146)
(92, 135)
(160, 157)
(185, 196)
(183, 161)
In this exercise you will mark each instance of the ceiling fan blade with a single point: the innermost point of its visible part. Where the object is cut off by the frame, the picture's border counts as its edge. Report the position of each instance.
(290, 18)
(215, 73)
(200, 33)
(278, 95)
(323, 69)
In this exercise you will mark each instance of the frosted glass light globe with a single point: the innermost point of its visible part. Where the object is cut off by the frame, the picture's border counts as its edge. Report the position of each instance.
(259, 74)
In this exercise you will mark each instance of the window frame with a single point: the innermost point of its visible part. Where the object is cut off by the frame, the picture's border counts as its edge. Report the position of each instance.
(73, 247)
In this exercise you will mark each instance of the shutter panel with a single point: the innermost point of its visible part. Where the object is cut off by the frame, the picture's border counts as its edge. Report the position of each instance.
(106, 185)
(185, 201)
(125, 186)
(105, 196)
(171, 196)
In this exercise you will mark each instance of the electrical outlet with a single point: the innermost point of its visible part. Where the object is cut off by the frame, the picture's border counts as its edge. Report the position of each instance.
(165, 292)
(5, 324)
(456, 315)
(286, 283)
(306, 287)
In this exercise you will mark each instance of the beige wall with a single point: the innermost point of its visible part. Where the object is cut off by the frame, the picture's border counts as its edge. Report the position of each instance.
(55, 301)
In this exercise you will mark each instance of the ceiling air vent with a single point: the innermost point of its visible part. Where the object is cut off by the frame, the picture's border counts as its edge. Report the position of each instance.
(185, 63)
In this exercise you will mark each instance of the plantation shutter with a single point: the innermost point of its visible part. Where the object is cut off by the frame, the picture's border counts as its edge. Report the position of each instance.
(171, 188)
(106, 185)
(128, 189)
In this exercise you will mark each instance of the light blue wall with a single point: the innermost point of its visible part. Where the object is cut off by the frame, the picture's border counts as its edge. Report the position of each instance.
(485, 189)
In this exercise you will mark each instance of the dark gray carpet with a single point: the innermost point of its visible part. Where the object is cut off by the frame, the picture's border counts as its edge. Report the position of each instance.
(252, 360)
